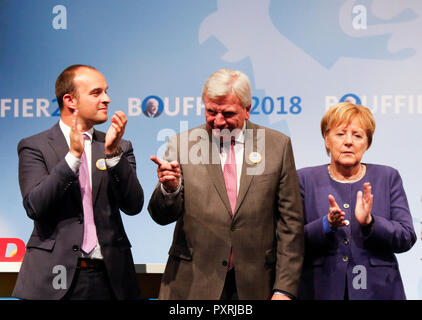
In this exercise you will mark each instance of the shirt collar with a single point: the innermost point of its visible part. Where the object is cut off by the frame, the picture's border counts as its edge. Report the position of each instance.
(66, 130)
(240, 137)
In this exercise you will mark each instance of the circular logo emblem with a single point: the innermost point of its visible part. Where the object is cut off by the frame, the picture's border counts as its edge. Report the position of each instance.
(101, 164)
(255, 157)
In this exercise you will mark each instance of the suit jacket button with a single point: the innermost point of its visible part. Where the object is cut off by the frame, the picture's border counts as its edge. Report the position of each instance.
(81, 220)
(224, 263)
(75, 248)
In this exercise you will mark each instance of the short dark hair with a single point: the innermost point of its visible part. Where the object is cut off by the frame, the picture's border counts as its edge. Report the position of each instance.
(65, 84)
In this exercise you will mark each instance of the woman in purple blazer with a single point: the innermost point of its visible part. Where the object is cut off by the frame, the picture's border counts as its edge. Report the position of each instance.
(356, 216)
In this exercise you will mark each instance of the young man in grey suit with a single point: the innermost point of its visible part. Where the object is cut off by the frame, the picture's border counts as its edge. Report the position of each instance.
(74, 180)
(231, 185)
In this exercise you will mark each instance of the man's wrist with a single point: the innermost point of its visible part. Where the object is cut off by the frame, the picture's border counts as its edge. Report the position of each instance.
(276, 291)
(73, 162)
(116, 153)
(171, 194)
(75, 154)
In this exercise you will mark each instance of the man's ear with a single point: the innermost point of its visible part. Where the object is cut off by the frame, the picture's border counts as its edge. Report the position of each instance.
(248, 110)
(69, 101)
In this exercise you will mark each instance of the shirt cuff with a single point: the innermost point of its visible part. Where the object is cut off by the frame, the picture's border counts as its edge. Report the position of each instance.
(284, 293)
(171, 195)
(73, 162)
(110, 163)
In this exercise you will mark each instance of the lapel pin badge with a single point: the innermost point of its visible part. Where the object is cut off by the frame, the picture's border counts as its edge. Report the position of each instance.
(101, 164)
(255, 157)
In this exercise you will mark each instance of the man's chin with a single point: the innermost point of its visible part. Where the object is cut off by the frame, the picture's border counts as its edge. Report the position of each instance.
(101, 120)
(224, 134)
(218, 133)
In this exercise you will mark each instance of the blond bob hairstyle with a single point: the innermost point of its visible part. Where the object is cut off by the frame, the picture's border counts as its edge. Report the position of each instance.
(224, 82)
(345, 113)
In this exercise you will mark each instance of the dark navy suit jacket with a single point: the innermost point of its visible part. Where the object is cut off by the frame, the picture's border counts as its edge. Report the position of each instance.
(364, 261)
(52, 198)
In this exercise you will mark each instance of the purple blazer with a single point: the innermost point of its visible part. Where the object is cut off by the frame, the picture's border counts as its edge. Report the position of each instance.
(350, 261)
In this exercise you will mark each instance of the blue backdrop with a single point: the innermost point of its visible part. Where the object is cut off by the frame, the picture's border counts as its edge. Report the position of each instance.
(301, 56)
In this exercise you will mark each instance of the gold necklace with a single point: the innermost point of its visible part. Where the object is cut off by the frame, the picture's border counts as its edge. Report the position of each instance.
(360, 175)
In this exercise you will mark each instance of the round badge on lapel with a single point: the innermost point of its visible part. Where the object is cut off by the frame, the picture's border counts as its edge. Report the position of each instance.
(255, 157)
(101, 164)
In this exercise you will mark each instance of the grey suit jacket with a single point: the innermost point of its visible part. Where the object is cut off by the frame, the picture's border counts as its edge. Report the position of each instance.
(266, 231)
(52, 198)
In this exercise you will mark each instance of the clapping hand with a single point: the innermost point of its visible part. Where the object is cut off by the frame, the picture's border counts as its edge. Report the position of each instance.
(364, 205)
(77, 143)
(115, 132)
(335, 215)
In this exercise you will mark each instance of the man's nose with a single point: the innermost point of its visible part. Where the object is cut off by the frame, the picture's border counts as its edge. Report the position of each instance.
(106, 98)
(219, 119)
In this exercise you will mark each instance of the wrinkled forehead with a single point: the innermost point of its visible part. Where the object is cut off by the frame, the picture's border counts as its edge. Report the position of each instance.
(230, 99)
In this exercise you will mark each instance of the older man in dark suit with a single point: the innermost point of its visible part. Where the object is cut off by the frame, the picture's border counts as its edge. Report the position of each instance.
(232, 187)
(74, 180)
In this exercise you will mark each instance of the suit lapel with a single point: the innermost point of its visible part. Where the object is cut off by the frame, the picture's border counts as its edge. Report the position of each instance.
(245, 178)
(97, 152)
(58, 143)
(215, 172)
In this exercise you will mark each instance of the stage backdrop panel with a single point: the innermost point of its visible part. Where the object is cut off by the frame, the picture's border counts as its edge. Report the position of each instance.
(301, 56)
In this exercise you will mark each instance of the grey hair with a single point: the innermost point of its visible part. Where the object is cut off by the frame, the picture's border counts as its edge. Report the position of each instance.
(224, 82)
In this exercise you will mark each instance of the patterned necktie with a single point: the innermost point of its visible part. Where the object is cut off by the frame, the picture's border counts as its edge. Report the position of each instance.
(230, 179)
(90, 232)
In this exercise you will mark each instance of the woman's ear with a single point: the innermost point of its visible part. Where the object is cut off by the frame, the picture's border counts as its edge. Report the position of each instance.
(326, 141)
(327, 144)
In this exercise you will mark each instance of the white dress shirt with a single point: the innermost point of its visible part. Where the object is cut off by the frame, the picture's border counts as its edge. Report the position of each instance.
(74, 164)
(239, 149)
